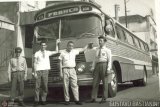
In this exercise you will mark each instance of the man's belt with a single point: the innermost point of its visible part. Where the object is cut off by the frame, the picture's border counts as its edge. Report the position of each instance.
(68, 67)
(17, 71)
(101, 62)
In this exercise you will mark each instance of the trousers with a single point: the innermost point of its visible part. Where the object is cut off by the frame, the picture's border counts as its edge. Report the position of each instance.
(98, 76)
(42, 79)
(70, 77)
(17, 84)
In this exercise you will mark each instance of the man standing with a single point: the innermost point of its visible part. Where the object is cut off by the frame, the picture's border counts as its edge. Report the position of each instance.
(101, 65)
(17, 73)
(41, 71)
(68, 72)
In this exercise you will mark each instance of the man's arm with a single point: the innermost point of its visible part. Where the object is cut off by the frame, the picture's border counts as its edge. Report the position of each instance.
(83, 49)
(61, 73)
(9, 71)
(109, 60)
(57, 48)
(61, 66)
(25, 69)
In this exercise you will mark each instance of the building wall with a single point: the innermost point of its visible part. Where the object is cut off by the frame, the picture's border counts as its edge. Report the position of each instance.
(7, 37)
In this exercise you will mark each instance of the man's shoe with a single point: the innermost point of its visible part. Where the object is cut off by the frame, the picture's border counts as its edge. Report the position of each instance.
(93, 101)
(66, 103)
(36, 104)
(103, 101)
(43, 103)
(21, 103)
(78, 102)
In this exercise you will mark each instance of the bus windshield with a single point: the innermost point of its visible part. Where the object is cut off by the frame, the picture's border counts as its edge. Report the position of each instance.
(72, 26)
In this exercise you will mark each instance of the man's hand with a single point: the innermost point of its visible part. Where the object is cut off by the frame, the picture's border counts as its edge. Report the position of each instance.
(90, 45)
(108, 72)
(34, 74)
(25, 77)
(61, 75)
(9, 79)
(58, 41)
(92, 69)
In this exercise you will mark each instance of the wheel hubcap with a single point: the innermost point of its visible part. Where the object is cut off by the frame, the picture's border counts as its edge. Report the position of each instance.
(114, 81)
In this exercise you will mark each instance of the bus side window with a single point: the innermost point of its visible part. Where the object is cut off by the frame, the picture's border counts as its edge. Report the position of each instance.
(137, 43)
(109, 28)
(120, 34)
(146, 48)
(142, 46)
(129, 38)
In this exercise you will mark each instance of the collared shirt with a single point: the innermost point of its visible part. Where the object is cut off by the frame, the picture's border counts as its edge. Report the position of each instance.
(68, 58)
(42, 61)
(17, 64)
(103, 55)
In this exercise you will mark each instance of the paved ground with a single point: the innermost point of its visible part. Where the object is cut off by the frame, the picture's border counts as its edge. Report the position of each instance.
(147, 96)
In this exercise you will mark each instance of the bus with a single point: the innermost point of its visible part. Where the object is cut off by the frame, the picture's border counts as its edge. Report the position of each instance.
(83, 22)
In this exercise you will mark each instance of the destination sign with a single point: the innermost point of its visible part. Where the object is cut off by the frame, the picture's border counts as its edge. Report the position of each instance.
(62, 12)
(86, 8)
(40, 17)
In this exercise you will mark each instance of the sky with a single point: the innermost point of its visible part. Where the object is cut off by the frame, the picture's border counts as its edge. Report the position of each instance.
(141, 7)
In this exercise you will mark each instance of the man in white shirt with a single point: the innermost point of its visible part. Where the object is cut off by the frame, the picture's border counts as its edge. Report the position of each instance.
(101, 66)
(41, 71)
(68, 72)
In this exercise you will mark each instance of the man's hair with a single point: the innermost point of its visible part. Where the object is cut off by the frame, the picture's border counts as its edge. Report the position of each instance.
(43, 41)
(70, 42)
(18, 50)
(102, 37)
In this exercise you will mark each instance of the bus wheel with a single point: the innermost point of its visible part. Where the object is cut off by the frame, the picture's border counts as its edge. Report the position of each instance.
(113, 84)
(136, 82)
(141, 82)
(144, 80)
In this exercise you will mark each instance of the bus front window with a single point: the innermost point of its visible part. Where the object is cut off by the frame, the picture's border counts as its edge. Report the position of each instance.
(49, 29)
(79, 26)
(72, 26)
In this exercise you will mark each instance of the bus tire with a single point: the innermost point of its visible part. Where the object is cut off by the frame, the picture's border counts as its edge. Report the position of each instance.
(136, 82)
(113, 85)
(144, 80)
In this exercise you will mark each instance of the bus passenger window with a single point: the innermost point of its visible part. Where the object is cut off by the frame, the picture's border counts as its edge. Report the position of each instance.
(120, 34)
(142, 46)
(146, 47)
(137, 43)
(109, 28)
(129, 38)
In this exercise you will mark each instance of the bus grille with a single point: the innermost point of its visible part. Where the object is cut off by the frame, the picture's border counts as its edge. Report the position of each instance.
(54, 73)
(80, 58)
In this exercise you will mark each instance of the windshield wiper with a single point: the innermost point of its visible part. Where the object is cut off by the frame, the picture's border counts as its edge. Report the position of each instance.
(44, 37)
(87, 33)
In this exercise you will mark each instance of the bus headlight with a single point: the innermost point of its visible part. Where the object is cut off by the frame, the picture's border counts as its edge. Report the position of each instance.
(80, 68)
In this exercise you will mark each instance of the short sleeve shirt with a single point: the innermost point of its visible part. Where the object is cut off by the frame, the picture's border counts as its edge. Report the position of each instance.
(42, 60)
(18, 64)
(68, 58)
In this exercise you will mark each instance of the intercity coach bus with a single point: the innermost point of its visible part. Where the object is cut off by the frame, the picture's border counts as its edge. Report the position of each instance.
(82, 23)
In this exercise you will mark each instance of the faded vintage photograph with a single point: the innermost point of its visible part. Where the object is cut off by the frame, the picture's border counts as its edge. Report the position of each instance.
(75, 53)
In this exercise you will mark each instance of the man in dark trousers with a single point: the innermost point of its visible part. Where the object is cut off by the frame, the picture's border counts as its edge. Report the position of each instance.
(17, 73)
(101, 65)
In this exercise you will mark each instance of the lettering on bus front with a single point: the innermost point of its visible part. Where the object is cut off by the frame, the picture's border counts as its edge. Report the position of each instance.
(62, 12)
